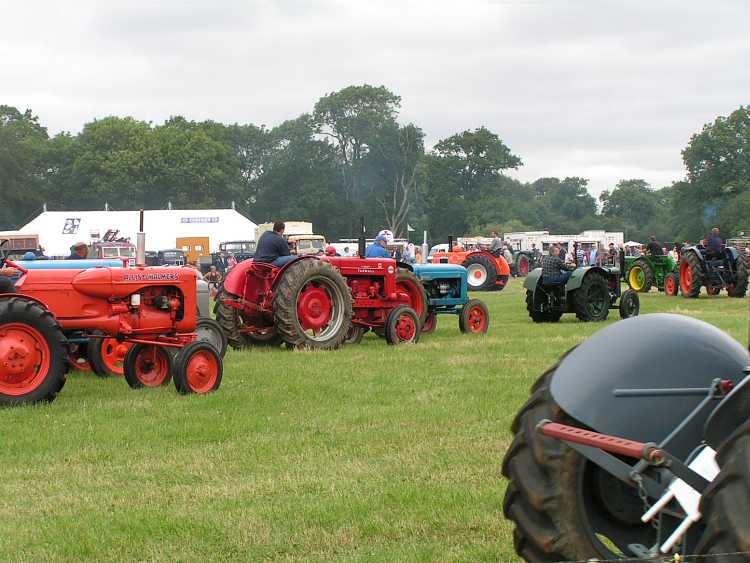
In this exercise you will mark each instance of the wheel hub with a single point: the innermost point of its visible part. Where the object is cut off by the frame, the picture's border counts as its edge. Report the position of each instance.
(201, 372)
(405, 328)
(476, 319)
(24, 357)
(314, 308)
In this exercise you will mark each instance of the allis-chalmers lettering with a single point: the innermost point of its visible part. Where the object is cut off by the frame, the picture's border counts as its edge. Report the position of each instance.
(151, 277)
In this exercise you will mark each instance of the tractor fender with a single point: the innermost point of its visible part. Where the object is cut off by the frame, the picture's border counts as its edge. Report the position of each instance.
(576, 278)
(731, 253)
(532, 279)
(733, 410)
(234, 280)
(658, 351)
(404, 265)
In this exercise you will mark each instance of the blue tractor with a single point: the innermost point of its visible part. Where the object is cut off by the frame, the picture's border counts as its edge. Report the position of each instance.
(447, 294)
(699, 266)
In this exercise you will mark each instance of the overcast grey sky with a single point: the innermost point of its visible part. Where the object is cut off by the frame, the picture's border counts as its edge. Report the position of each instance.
(600, 89)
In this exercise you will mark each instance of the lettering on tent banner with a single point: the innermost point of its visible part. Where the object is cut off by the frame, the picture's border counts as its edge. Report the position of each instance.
(199, 219)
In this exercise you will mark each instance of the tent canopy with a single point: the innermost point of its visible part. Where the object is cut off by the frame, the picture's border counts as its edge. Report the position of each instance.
(58, 230)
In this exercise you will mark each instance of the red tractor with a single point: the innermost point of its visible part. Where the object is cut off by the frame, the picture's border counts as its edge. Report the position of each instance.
(321, 302)
(486, 272)
(154, 309)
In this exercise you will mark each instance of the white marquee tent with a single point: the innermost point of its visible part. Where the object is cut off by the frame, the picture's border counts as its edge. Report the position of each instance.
(58, 230)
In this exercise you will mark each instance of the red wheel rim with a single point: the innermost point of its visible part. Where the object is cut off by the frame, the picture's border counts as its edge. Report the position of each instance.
(686, 277)
(314, 308)
(151, 366)
(477, 319)
(523, 265)
(201, 371)
(24, 359)
(669, 285)
(411, 295)
(113, 354)
(406, 328)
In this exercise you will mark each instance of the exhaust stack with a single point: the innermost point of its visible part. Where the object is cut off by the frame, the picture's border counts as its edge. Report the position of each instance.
(140, 245)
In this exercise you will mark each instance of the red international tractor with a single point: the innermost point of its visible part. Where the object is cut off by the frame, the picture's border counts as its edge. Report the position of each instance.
(320, 303)
(486, 272)
(152, 309)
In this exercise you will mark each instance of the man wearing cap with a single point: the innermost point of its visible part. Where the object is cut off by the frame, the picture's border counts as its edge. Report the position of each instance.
(78, 251)
(377, 249)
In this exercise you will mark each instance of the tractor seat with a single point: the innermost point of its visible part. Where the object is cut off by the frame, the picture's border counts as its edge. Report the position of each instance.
(263, 269)
(546, 282)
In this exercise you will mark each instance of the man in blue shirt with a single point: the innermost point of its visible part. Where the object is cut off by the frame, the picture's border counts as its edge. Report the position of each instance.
(715, 243)
(273, 248)
(377, 249)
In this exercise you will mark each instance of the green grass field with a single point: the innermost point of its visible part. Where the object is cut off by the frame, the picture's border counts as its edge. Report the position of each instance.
(371, 452)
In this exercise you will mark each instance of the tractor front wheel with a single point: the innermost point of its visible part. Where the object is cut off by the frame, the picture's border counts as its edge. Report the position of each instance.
(474, 317)
(402, 326)
(355, 335)
(641, 276)
(147, 365)
(564, 507)
(671, 284)
(691, 275)
(208, 330)
(739, 287)
(430, 323)
(32, 353)
(591, 300)
(481, 272)
(107, 356)
(198, 368)
(630, 304)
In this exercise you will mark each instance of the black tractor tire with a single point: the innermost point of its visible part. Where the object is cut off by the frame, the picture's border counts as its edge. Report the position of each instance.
(630, 304)
(197, 368)
(540, 316)
(230, 320)
(672, 284)
(430, 323)
(725, 503)
(739, 288)
(44, 383)
(393, 333)
(413, 285)
(143, 370)
(285, 311)
(690, 261)
(355, 335)
(474, 317)
(479, 261)
(591, 300)
(648, 274)
(210, 331)
(554, 494)
(97, 349)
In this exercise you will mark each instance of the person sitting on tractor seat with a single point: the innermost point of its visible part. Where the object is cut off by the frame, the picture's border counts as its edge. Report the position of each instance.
(554, 270)
(273, 248)
(496, 246)
(78, 251)
(653, 247)
(378, 248)
(714, 244)
(6, 279)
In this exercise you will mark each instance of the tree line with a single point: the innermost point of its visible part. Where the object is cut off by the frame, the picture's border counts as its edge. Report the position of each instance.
(351, 157)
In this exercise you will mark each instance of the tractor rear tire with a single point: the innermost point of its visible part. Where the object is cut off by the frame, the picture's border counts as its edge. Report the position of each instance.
(540, 316)
(402, 326)
(591, 300)
(32, 353)
(671, 284)
(198, 368)
(641, 276)
(474, 317)
(691, 275)
(725, 503)
(208, 330)
(481, 271)
(148, 365)
(408, 282)
(555, 496)
(630, 304)
(739, 288)
(327, 304)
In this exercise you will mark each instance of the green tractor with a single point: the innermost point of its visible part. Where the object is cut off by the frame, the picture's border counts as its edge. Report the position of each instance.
(644, 272)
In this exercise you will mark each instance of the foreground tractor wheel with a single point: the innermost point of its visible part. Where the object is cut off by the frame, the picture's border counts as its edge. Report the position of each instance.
(481, 274)
(430, 323)
(32, 353)
(147, 365)
(671, 284)
(630, 304)
(564, 507)
(641, 276)
(313, 305)
(409, 284)
(691, 275)
(198, 368)
(726, 502)
(208, 330)
(107, 356)
(231, 322)
(474, 318)
(539, 316)
(591, 300)
(402, 326)
(739, 288)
